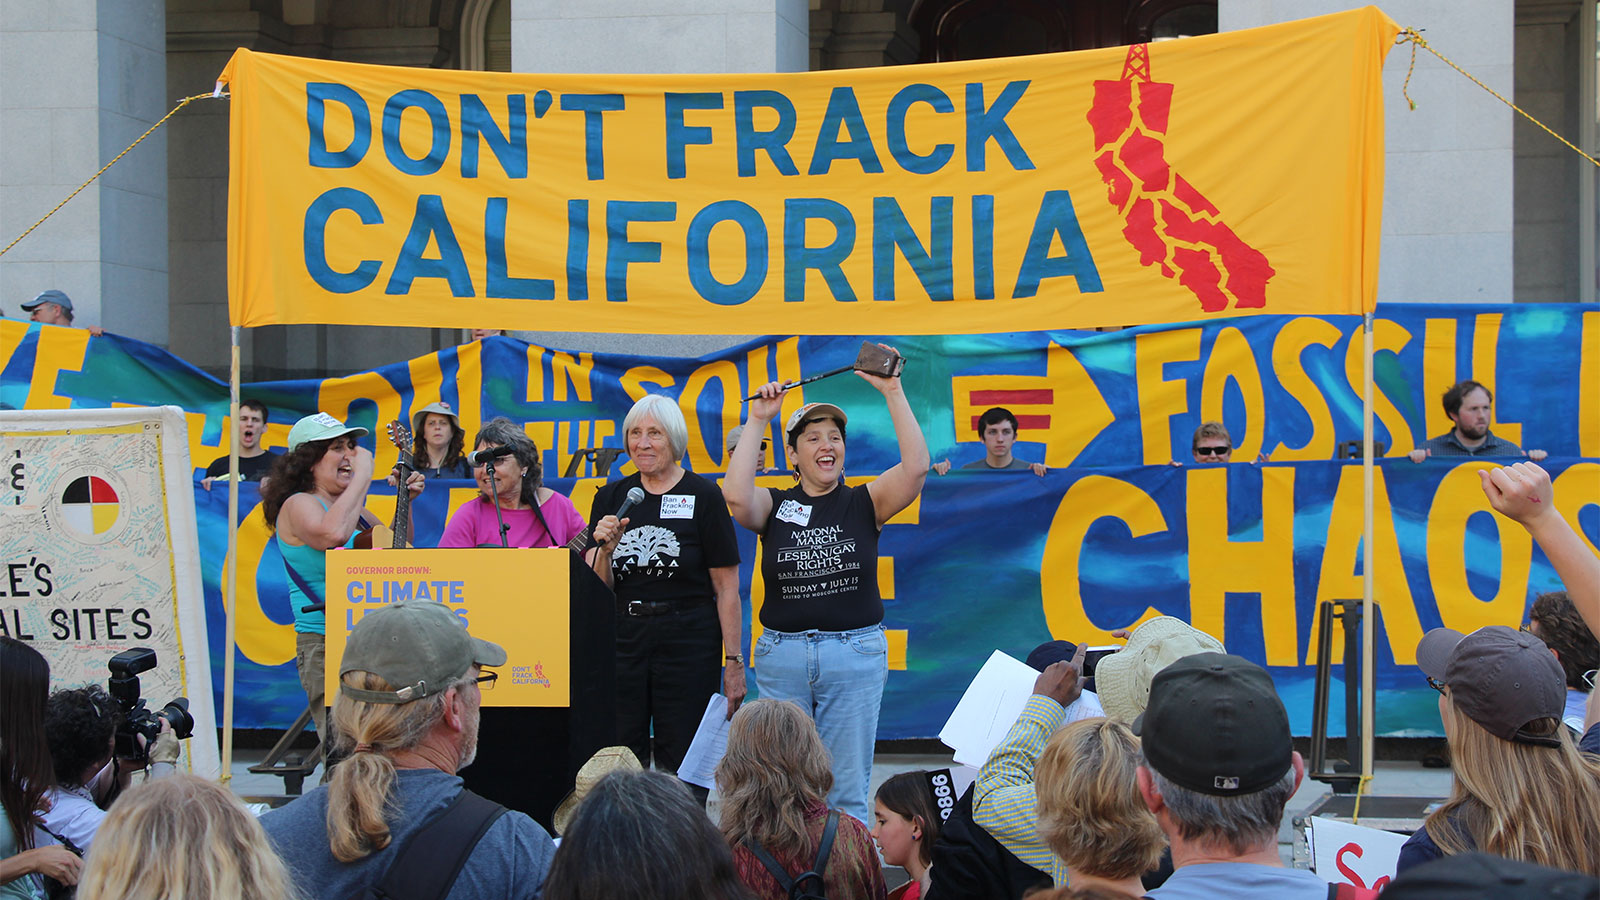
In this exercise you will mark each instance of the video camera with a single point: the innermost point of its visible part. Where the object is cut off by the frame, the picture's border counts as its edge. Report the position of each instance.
(136, 719)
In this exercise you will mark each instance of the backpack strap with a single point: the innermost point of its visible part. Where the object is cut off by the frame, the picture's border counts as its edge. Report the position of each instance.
(776, 871)
(442, 846)
(826, 847)
(781, 876)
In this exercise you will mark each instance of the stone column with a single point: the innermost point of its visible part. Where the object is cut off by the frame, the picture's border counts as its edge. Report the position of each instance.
(79, 81)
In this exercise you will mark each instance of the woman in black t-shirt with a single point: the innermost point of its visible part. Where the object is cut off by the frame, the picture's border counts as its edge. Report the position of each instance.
(823, 645)
(674, 564)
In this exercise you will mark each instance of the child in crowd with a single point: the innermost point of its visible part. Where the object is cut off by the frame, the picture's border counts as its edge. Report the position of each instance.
(907, 824)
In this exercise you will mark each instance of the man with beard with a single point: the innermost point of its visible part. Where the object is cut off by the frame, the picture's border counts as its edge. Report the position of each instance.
(254, 460)
(1468, 405)
(410, 692)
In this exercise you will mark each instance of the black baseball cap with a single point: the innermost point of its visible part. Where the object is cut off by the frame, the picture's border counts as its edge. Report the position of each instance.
(1501, 678)
(1215, 725)
(1051, 652)
(1480, 876)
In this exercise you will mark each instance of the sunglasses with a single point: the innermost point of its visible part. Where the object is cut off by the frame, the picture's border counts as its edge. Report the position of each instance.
(1211, 451)
(485, 682)
(1436, 685)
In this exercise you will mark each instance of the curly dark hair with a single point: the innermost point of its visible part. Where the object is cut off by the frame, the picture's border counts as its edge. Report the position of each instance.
(503, 432)
(25, 773)
(419, 445)
(1562, 630)
(78, 724)
(290, 475)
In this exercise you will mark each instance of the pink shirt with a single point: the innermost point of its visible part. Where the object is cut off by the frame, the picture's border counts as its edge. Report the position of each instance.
(474, 524)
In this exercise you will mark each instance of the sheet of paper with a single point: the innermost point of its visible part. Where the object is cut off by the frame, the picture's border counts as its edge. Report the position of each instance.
(988, 708)
(991, 706)
(710, 742)
(1343, 853)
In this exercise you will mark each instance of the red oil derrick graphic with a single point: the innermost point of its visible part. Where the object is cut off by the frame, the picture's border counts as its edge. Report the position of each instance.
(1170, 223)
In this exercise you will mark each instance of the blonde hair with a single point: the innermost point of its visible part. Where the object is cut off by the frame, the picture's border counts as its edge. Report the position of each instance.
(1521, 801)
(1090, 811)
(358, 792)
(775, 767)
(180, 837)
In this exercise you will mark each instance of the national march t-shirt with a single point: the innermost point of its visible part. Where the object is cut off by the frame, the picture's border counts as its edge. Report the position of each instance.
(819, 560)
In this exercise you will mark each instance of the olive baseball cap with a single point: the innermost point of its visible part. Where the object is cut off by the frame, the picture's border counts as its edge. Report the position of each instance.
(1501, 678)
(419, 646)
(1215, 725)
(811, 412)
(320, 427)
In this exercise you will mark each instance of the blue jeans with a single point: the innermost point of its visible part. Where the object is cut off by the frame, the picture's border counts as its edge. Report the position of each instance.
(837, 677)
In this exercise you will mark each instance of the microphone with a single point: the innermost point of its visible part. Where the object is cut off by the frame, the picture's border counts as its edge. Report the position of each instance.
(585, 537)
(634, 498)
(478, 457)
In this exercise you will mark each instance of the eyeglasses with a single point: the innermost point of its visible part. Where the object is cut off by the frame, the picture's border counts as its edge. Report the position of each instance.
(485, 682)
(1211, 451)
(1436, 685)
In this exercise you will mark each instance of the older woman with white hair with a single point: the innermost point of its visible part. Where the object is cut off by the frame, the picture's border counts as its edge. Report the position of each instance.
(674, 564)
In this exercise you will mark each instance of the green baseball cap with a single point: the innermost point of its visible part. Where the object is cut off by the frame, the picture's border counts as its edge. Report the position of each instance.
(419, 646)
(320, 427)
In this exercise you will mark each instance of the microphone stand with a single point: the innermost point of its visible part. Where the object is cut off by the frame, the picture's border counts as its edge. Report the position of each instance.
(494, 489)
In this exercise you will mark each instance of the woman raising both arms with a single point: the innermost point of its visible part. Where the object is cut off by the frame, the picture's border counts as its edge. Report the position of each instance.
(819, 560)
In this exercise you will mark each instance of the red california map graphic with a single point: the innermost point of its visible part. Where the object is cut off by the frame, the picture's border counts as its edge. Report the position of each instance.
(1170, 223)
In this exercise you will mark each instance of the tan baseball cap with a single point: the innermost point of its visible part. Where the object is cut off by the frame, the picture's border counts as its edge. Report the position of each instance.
(811, 412)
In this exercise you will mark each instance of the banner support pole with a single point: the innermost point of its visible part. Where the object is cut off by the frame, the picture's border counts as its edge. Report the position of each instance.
(231, 588)
(1369, 612)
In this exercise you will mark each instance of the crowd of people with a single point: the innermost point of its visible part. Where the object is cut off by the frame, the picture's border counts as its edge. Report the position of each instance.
(1167, 779)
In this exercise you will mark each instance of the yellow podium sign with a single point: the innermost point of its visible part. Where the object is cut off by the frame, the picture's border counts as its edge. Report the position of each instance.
(517, 598)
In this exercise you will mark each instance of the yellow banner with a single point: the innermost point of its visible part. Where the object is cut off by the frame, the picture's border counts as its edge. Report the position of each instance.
(516, 598)
(1214, 176)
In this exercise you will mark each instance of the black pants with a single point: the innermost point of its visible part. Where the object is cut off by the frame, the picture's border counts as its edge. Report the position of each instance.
(668, 666)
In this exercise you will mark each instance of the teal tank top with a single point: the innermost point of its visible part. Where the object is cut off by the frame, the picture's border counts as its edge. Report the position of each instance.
(311, 565)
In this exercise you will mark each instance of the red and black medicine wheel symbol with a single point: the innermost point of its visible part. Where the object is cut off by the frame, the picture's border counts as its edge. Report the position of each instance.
(90, 505)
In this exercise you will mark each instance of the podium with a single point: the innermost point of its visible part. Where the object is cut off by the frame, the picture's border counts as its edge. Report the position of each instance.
(554, 703)
(528, 757)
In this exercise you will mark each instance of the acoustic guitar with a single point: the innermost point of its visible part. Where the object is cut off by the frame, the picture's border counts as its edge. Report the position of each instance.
(380, 536)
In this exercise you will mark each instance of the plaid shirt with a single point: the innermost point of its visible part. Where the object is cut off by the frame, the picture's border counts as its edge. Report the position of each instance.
(1448, 444)
(1003, 801)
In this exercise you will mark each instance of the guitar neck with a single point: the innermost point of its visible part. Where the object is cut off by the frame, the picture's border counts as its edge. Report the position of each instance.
(580, 542)
(402, 517)
(402, 506)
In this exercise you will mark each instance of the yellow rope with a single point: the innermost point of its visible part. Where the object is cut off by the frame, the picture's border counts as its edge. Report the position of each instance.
(1410, 35)
(181, 104)
(1361, 788)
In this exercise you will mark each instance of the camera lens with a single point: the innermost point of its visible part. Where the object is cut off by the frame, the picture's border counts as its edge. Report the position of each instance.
(177, 714)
